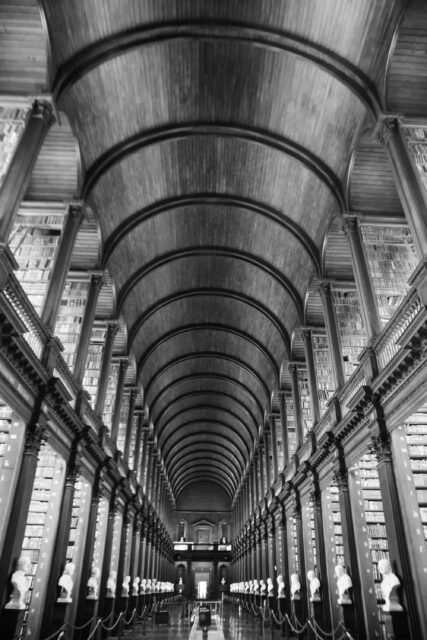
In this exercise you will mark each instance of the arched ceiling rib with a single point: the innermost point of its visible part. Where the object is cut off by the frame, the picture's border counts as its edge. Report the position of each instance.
(215, 138)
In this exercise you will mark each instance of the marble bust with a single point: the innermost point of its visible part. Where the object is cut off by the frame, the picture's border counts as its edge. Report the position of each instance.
(314, 586)
(125, 586)
(270, 587)
(262, 588)
(389, 586)
(135, 586)
(93, 584)
(66, 583)
(20, 584)
(344, 583)
(295, 587)
(111, 585)
(143, 586)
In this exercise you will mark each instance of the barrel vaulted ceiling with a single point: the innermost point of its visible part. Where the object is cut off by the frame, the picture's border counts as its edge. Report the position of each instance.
(215, 138)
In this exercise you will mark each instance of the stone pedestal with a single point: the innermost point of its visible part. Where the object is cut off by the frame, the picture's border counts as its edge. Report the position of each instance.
(281, 610)
(61, 612)
(396, 625)
(108, 616)
(316, 609)
(11, 622)
(297, 609)
(349, 618)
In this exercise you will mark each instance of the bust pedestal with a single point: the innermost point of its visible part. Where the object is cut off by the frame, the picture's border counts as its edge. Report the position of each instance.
(396, 625)
(11, 622)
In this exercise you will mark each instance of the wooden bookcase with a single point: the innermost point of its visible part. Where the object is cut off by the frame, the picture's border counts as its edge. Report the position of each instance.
(94, 362)
(70, 317)
(324, 371)
(12, 125)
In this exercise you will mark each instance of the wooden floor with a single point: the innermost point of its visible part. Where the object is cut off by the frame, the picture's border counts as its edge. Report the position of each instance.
(232, 627)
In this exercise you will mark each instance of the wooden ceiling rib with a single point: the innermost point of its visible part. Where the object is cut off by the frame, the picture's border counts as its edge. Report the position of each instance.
(216, 138)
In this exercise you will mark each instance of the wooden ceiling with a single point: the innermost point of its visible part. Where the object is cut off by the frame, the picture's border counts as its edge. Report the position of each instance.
(216, 139)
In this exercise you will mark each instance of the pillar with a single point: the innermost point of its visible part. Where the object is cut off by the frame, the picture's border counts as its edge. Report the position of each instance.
(311, 370)
(284, 427)
(273, 436)
(61, 265)
(21, 166)
(112, 329)
(333, 334)
(96, 282)
(410, 189)
(15, 530)
(368, 299)
(124, 362)
(297, 404)
(132, 399)
(105, 607)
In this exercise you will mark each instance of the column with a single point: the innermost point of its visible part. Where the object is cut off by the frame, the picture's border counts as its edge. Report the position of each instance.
(82, 610)
(311, 370)
(51, 618)
(112, 329)
(350, 552)
(150, 445)
(21, 167)
(96, 282)
(324, 618)
(256, 479)
(138, 438)
(124, 362)
(14, 534)
(333, 334)
(284, 426)
(61, 265)
(411, 191)
(368, 299)
(132, 399)
(300, 537)
(261, 470)
(297, 404)
(267, 463)
(273, 436)
(104, 609)
(126, 526)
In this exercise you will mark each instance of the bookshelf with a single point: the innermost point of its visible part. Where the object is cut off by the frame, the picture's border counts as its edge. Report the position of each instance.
(415, 429)
(324, 371)
(100, 533)
(70, 317)
(131, 461)
(124, 412)
(310, 536)
(293, 546)
(12, 125)
(12, 434)
(350, 325)
(305, 400)
(117, 534)
(34, 241)
(392, 259)
(94, 362)
(110, 396)
(416, 141)
(40, 530)
(292, 437)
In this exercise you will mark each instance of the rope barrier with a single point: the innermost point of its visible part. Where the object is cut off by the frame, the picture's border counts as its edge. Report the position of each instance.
(86, 624)
(328, 633)
(60, 630)
(303, 628)
(131, 617)
(114, 625)
(95, 629)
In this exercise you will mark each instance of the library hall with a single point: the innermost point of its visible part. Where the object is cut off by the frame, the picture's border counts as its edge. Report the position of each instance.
(213, 319)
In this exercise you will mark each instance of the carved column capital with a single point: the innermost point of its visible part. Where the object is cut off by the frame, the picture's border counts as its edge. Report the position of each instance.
(379, 445)
(387, 127)
(35, 436)
(44, 110)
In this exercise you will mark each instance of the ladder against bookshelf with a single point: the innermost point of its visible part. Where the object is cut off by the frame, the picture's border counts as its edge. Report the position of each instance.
(392, 259)
(40, 530)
